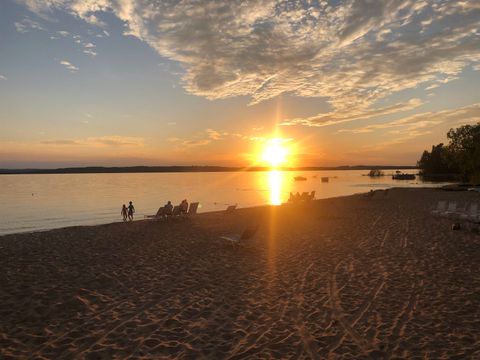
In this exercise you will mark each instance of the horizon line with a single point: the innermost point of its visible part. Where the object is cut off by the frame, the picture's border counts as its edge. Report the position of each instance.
(190, 168)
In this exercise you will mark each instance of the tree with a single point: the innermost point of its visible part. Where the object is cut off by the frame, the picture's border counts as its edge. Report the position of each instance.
(460, 156)
(465, 149)
(436, 162)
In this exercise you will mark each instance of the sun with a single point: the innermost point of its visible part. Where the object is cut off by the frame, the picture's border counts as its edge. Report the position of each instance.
(275, 153)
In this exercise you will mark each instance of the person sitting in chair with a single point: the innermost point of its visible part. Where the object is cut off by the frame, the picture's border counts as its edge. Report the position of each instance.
(168, 208)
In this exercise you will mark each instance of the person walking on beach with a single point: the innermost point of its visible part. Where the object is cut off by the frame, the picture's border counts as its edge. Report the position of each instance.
(131, 211)
(124, 212)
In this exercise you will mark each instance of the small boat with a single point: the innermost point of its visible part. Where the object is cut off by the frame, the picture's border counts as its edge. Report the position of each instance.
(324, 179)
(300, 178)
(375, 173)
(400, 176)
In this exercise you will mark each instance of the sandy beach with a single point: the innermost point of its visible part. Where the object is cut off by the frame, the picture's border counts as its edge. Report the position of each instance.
(345, 278)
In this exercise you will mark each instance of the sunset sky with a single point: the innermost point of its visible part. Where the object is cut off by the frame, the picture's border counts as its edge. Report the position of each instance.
(161, 82)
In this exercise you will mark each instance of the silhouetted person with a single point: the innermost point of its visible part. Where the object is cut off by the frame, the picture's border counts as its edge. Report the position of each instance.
(184, 206)
(131, 211)
(124, 212)
(168, 208)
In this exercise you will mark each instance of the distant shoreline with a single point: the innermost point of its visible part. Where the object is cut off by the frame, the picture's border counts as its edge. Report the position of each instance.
(176, 169)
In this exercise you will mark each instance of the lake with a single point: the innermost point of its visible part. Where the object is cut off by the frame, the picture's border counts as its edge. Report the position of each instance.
(39, 202)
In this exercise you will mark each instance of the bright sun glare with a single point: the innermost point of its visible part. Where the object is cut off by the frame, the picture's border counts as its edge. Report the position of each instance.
(275, 153)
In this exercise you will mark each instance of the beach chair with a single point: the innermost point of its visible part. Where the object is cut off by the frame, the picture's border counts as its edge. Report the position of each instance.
(472, 215)
(192, 210)
(441, 207)
(236, 239)
(230, 209)
(451, 210)
(159, 215)
(176, 211)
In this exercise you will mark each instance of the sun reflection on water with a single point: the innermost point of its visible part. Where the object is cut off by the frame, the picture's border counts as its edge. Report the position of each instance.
(275, 185)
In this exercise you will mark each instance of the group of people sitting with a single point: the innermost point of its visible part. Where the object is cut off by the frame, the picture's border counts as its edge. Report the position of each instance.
(168, 208)
(305, 196)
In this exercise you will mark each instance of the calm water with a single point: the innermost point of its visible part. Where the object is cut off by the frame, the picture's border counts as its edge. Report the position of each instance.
(38, 202)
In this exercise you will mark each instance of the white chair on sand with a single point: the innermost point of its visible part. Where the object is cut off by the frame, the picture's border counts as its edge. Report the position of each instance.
(236, 239)
(441, 207)
(192, 210)
(472, 214)
(451, 210)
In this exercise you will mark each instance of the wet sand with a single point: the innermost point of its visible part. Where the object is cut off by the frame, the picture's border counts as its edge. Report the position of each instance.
(345, 278)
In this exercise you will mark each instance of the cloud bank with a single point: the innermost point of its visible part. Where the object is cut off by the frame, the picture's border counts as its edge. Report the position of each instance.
(352, 52)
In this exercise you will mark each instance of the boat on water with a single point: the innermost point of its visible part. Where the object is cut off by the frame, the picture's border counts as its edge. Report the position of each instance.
(401, 176)
(376, 173)
(300, 178)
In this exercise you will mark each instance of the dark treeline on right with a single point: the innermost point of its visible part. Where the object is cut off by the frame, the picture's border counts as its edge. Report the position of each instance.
(459, 159)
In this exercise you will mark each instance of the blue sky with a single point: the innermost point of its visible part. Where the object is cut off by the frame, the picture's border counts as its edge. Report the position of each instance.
(131, 82)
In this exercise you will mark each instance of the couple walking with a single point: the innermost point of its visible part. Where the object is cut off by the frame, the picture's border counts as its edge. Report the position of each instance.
(127, 212)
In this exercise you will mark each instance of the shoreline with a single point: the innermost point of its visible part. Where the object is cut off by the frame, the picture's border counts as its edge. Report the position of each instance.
(177, 169)
(198, 214)
(345, 277)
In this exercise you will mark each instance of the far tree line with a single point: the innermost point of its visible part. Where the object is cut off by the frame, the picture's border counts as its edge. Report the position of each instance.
(460, 158)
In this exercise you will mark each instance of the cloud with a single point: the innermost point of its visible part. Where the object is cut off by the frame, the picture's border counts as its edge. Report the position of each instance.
(88, 47)
(200, 139)
(116, 141)
(101, 141)
(90, 52)
(338, 117)
(352, 53)
(60, 142)
(3, 77)
(27, 24)
(69, 66)
(420, 124)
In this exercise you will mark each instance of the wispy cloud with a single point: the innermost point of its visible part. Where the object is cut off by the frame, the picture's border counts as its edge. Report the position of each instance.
(102, 141)
(353, 53)
(69, 66)
(200, 139)
(27, 25)
(410, 127)
(338, 117)
(116, 141)
(3, 77)
(87, 47)
(60, 142)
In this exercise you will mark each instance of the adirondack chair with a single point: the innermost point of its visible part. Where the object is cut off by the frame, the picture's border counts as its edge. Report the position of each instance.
(473, 214)
(230, 209)
(159, 215)
(237, 239)
(192, 210)
(451, 210)
(441, 207)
